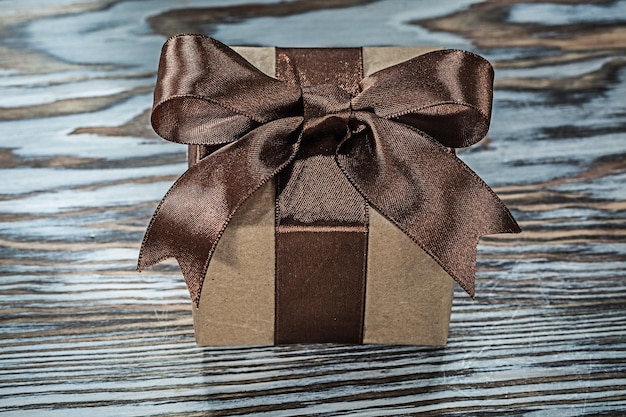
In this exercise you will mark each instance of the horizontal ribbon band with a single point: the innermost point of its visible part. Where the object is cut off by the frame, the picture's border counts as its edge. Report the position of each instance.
(390, 140)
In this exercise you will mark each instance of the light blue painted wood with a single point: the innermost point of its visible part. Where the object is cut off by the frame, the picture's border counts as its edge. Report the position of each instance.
(83, 334)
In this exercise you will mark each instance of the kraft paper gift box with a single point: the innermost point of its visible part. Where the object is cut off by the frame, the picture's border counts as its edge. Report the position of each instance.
(272, 279)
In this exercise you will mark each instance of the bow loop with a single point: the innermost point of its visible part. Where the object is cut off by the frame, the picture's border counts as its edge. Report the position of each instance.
(446, 94)
(208, 94)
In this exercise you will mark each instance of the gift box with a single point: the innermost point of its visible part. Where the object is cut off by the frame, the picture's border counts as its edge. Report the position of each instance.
(324, 201)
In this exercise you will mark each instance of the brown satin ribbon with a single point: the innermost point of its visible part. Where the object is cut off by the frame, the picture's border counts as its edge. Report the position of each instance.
(389, 139)
(321, 220)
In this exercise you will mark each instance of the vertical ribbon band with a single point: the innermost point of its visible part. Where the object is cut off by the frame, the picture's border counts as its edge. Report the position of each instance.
(321, 220)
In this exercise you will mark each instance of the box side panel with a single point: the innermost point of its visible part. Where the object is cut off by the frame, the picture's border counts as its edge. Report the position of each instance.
(237, 300)
(408, 295)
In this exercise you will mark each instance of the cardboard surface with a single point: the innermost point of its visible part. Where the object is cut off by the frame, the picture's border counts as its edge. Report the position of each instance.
(237, 300)
(408, 296)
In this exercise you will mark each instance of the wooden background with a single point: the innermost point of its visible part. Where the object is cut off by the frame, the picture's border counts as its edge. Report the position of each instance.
(81, 171)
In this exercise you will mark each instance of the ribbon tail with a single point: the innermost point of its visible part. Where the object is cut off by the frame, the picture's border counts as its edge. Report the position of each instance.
(425, 190)
(192, 216)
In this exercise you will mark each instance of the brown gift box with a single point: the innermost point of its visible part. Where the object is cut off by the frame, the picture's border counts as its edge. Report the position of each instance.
(408, 296)
(283, 170)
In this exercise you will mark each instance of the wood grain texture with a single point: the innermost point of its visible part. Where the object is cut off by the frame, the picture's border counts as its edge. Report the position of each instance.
(83, 334)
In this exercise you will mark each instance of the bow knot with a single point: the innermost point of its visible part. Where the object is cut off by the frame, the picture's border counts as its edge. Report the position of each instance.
(327, 110)
(389, 139)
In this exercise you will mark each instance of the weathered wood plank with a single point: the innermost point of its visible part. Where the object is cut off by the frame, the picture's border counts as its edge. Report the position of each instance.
(82, 333)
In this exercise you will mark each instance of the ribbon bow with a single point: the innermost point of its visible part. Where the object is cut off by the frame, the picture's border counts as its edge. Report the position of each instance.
(391, 139)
